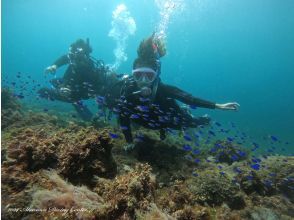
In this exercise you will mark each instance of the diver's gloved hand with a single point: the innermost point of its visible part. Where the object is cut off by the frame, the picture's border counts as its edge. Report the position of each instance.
(129, 146)
(228, 106)
(50, 69)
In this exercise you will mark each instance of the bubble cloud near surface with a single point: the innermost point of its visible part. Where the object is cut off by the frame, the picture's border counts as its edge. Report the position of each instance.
(123, 25)
(166, 9)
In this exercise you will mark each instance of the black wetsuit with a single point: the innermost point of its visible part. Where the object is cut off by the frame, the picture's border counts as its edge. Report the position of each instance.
(82, 79)
(161, 113)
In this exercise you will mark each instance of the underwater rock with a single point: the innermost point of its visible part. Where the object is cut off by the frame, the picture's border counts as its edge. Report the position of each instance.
(227, 152)
(78, 156)
(15, 191)
(192, 213)
(252, 183)
(275, 176)
(81, 155)
(33, 150)
(60, 198)
(279, 175)
(175, 197)
(153, 212)
(263, 213)
(8, 100)
(84, 154)
(128, 192)
(167, 160)
(179, 202)
(10, 109)
(212, 188)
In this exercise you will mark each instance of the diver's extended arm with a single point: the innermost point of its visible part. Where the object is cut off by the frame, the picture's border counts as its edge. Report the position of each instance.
(187, 98)
(58, 63)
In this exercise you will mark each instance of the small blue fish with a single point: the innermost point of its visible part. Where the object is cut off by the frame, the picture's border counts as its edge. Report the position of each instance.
(197, 160)
(188, 157)
(80, 103)
(116, 110)
(187, 137)
(255, 166)
(249, 177)
(241, 153)
(144, 99)
(124, 128)
(20, 96)
(196, 152)
(222, 173)
(195, 174)
(45, 109)
(211, 133)
(256, 160)
(218, 124)
(237, 170)
(273, 138)
(114, 136)
(272, 174)
(234, 157)
(193, 106)
(268, 183)
(143, 108)
(230, 139)
(212, 150)
(134, 116)
(100, 99)
(187, 147)
(151, 124)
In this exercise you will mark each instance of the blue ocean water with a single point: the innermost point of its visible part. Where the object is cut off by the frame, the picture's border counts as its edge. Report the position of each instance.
(218, 50)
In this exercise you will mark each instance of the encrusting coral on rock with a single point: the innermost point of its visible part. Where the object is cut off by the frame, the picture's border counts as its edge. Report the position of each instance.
(129, 192)
(10, 108)
(77, 156)
(56, 169)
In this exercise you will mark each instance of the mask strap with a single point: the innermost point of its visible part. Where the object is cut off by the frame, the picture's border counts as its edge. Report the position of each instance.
(154, 89)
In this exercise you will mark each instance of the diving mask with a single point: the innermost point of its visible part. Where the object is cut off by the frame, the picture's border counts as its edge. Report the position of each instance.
(144, 74)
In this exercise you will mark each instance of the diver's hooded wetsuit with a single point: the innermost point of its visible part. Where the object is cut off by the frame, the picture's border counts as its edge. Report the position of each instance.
(158, 112)
(84, 78)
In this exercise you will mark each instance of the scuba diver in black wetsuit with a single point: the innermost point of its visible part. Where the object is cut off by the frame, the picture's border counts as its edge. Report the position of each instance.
(147, 101)
(85, 77)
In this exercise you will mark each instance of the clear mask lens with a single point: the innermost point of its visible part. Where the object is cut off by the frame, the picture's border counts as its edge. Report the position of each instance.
(144, 76)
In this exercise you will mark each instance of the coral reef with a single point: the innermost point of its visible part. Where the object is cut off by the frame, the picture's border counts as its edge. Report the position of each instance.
(61, 198)
(227, 152)
(57, 169)
(77, 153)
(129, 192)
(214, 189)
(168, 168)
(10, 108)
(85, 154)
